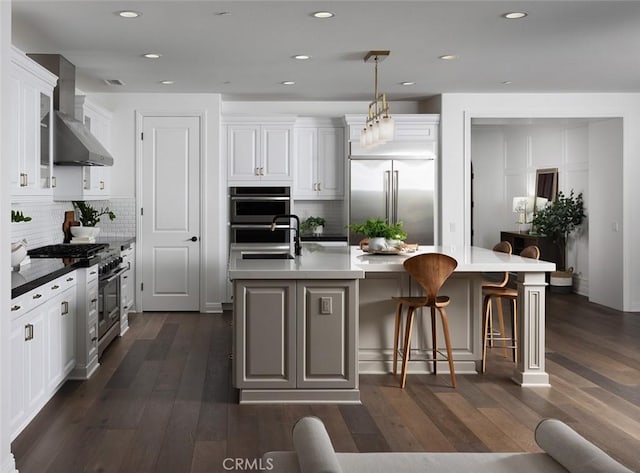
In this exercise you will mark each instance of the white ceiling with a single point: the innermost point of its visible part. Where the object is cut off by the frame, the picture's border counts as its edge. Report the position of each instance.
(561, 46)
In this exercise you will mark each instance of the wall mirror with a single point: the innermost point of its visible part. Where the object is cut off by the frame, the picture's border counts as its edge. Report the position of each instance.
(547, 183)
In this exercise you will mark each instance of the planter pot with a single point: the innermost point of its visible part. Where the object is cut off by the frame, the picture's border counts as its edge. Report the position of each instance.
(317, 230)
(561, 282)
(377, 243)
(84, 232)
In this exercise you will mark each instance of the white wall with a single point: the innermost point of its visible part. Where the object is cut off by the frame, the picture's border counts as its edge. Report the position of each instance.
(605, 155)
(456, 113)
(123, 147)
(310, 109)
(506, 154)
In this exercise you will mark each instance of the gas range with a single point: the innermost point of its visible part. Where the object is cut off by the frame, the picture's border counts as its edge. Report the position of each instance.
(89, 253)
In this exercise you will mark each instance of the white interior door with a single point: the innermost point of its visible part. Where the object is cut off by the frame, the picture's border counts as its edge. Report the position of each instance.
(170, 220)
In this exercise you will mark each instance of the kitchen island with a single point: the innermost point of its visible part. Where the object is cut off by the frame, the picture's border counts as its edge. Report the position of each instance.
(305, 327)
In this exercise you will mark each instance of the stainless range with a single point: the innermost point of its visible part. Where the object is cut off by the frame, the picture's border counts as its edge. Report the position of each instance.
(109, 271)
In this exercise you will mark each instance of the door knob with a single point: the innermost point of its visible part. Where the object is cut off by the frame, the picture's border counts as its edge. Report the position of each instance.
(194, 238)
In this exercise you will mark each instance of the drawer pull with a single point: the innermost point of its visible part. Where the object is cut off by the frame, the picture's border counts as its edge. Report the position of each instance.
(93, 301)
(55, 286)
(28, 332)
(92, 272)
(69, 279)
(65, 307)
(37, 296)
(15, 307)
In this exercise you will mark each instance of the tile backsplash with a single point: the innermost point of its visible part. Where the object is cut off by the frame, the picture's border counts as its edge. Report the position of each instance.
(45, 228)
(331, 210)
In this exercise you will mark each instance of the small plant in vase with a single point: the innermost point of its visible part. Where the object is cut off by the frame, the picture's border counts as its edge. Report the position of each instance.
(313, 225)
(380, 234)
(90, 217)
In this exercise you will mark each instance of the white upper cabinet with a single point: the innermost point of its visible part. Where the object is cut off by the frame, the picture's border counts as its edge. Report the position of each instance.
(318, 159)
(259, 150)
(30, 131)
(87, 182)
(414, 135)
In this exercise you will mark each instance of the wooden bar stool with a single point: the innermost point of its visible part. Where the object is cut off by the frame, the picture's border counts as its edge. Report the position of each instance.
(502, 247)
(498, 294)
(431, 270)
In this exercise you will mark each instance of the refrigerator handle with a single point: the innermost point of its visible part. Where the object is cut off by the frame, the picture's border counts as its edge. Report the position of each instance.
(395, 196)
(387, 189)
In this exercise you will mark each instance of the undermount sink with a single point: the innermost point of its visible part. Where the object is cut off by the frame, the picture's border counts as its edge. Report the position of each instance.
(267, 256)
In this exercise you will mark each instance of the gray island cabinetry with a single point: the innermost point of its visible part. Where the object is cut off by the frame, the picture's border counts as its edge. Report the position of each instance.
(296, 340)
(304, 328)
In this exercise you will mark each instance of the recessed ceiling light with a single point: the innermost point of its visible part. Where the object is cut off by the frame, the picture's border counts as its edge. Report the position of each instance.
(323, 14)
(288, 82)
(516, 15)
(152, 55)
(407, 83)
(129, 14)
(167, 82)
(301, 57)
(449, 57)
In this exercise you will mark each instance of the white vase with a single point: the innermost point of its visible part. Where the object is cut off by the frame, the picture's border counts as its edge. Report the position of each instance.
(377, 243)
(84, 232)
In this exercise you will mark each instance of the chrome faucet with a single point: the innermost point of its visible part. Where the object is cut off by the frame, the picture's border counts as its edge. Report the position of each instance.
(296, 238)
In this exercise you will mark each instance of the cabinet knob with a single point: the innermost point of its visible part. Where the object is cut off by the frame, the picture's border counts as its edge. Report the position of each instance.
(15, 307)
(194, 238)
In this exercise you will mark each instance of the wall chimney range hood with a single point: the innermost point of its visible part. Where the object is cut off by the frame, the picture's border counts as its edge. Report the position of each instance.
(73, 143)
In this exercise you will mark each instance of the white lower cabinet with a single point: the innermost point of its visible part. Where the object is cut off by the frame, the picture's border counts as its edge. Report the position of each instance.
(86, 324)
(127, 287)
(42, 347)
(295, 336)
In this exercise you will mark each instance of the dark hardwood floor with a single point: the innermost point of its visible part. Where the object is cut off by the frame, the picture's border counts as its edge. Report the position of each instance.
(162, 401)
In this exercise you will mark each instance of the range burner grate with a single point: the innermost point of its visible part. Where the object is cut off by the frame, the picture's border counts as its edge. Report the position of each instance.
(68, 250)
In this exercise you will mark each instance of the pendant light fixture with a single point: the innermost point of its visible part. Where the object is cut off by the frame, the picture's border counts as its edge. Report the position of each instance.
(379, 127)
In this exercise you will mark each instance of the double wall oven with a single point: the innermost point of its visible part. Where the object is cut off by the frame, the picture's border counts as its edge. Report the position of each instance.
(251, 210)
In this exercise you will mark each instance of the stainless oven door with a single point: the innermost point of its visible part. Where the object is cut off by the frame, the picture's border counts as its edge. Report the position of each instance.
(259, 233)
(109, 309)
(245, 209)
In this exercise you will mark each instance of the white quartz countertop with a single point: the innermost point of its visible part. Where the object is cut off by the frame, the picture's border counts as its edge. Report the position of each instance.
(319, 262)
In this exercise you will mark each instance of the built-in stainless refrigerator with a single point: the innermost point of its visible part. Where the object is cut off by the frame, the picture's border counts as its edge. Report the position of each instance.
(394, 190)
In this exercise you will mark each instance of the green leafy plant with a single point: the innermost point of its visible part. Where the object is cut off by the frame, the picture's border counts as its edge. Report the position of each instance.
(310, 223)
(89, 216)
(18, 216)
(377, 227)
(558, 219)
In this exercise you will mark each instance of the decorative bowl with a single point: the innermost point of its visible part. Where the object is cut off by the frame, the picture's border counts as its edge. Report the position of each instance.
(18, 253)
(84, 232)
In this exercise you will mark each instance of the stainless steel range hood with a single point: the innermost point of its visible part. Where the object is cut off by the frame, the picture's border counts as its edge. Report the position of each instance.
(73, 143)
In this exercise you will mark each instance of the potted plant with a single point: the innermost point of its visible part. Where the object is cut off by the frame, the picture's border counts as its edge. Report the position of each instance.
(89, 217)
(381, 234)
(314, 225)
(557, 220)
